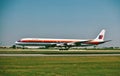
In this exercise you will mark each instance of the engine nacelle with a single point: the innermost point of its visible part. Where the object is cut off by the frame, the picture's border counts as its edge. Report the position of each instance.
(70, 44)
(65, 44)
(60, 45)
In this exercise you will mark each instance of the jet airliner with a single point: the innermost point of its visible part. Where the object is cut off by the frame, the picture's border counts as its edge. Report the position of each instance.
(66, 43)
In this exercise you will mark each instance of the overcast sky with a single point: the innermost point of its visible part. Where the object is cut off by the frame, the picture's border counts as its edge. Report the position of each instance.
(79, 19)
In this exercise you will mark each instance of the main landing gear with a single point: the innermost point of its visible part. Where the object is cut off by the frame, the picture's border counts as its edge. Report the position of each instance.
(64, 48)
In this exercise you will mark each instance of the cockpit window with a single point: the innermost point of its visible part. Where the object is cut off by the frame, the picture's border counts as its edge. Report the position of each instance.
(18, 41)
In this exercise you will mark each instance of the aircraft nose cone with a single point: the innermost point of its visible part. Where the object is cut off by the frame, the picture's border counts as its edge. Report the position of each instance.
(17, 42)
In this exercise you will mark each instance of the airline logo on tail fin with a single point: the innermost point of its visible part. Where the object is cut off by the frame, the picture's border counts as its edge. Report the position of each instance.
(101, 35)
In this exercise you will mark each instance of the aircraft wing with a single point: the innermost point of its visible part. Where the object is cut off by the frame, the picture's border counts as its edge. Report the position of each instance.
(88, 42)
(77, 43)
(81, 42)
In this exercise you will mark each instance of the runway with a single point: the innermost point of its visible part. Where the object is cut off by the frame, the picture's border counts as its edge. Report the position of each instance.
(59, 55)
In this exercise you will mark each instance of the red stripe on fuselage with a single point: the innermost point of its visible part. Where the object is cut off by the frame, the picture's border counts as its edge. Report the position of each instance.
(47, 41)
(59, 41)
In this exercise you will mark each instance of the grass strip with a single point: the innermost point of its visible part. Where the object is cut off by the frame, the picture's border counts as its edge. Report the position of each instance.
(60, 66)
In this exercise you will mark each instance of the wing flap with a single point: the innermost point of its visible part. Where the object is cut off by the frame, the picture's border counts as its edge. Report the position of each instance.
(81, 42)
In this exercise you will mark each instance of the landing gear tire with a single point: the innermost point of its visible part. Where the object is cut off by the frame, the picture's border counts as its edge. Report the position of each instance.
(65, 48)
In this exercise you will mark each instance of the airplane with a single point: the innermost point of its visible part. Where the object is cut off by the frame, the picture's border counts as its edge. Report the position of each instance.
(63, 44)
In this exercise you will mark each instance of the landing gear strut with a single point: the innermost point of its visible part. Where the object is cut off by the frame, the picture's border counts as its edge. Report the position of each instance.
(23, 47)
(64, 48)
(95, 46)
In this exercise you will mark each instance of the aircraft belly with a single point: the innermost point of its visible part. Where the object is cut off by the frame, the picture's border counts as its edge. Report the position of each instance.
(33, 44)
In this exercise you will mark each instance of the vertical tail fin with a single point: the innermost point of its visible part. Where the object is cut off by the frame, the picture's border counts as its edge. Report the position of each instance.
(101, 35)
